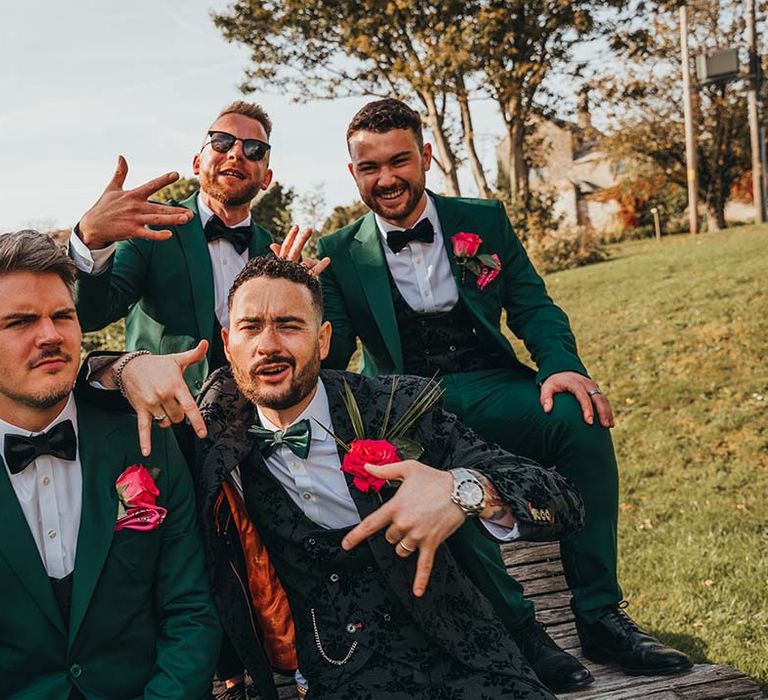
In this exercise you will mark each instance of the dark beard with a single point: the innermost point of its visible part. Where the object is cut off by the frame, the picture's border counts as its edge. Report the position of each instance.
(303, 383)
(414, 197)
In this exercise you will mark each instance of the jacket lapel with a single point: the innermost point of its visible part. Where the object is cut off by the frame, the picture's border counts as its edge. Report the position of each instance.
(103, 459)
(195, 249)
(371, 267)
(18, 547)
(365, 503)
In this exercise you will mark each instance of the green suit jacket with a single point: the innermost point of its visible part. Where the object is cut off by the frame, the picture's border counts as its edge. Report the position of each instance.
(163, 288)
(358, 300)
(142, 620)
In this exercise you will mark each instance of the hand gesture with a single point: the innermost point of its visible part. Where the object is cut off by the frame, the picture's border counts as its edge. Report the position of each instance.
(291, 248)
(121, 214)
(587, 393)
(155, 387)
(420, 516)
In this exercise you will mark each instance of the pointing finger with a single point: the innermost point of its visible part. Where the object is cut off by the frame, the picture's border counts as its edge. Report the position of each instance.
(144, 420)
(423, 570)
(367, 527)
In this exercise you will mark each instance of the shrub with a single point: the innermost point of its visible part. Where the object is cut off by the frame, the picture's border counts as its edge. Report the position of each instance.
(565, 249)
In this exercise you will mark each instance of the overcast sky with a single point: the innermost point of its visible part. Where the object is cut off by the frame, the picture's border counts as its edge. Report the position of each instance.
(86, 80)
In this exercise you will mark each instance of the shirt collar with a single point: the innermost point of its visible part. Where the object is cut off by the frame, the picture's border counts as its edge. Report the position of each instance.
(205, 213)
(69, 412)
(318, 411)
(430, 212)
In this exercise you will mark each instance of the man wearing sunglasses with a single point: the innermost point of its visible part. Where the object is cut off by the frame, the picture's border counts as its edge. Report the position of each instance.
(167, 268)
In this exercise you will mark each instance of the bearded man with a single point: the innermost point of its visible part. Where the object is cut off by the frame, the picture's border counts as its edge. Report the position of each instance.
(170, 281)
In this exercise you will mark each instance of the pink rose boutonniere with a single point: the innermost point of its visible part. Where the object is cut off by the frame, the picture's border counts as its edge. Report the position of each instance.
(484, 267)
(137, 507)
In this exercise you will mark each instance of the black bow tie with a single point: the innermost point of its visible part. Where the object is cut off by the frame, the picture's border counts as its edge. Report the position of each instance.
(239, 237)
(59, 441)
(423, 231)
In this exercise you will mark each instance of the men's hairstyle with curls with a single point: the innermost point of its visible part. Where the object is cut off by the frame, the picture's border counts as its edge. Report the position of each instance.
(279, 269)
(385, 115)
(250, 110)
(32, 251)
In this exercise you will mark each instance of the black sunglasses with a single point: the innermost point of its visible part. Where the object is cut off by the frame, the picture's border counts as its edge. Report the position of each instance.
(253, 149)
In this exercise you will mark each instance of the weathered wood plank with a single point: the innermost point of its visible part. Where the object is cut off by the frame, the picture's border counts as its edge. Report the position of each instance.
(537, 566)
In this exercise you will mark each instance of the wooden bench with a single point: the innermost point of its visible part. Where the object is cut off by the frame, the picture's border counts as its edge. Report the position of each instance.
(538, 567)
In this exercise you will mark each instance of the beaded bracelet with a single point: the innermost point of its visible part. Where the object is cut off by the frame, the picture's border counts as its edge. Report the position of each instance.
(117, 371)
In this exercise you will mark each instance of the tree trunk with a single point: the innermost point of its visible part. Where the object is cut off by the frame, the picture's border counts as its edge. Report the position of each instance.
(515, 164)
(446, 159)
(478, 173)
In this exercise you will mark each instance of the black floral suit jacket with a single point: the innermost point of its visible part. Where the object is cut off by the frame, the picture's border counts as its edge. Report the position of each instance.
(546, 505)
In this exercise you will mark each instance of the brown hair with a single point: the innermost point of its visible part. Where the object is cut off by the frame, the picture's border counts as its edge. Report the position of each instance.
(385, 115)
(279, 268)
(31, 251)
(250, 110)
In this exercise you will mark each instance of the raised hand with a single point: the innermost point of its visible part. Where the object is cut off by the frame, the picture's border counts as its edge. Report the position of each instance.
(155, 387)
(420, 516)
(120, 214)
(587, 393)
(293, 245)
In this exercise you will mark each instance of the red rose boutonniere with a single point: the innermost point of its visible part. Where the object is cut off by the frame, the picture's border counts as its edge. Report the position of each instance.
(137, 507)
(484, 267)
(390, 445)
(362, 452)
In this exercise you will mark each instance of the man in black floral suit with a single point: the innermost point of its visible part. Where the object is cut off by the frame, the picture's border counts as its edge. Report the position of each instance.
(367, 622)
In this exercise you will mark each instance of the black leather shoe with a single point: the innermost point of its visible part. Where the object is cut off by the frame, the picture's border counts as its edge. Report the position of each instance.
(555, 668)
(615, 638)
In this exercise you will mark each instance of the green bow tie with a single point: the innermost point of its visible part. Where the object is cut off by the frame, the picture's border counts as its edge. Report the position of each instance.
(295, 437)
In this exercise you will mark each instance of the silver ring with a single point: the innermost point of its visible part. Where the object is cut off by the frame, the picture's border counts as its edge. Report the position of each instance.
(406, 548)
(159, 419)
(594, 392)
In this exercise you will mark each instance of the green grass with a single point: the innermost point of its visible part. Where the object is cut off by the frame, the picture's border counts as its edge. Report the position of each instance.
(675, 333)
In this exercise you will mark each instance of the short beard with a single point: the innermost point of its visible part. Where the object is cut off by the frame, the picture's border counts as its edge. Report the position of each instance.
(414, 197)
(230, 199)
(303, 383)
(40, 401)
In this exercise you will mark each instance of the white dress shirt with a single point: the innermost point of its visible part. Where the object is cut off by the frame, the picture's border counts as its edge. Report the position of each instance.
(226, 262)
(317, 485)
(50, 493)
(422, 271)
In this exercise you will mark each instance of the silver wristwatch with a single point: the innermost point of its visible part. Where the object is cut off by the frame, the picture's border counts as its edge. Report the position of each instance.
(468, 492)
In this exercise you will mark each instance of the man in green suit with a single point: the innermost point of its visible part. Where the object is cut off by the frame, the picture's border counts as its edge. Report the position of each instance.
(105, 594)
(171, 281)
(422, 282)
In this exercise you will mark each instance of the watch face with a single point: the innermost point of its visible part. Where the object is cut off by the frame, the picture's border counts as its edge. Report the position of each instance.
(470, 494)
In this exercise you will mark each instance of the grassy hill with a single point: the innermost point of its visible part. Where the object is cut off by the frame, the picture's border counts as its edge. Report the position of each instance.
(676, 335)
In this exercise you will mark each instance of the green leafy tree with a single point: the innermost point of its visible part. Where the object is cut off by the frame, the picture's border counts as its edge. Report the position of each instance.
(272, 210)
(442, 54)
(343, 215)
(177, 191)
(648, 98)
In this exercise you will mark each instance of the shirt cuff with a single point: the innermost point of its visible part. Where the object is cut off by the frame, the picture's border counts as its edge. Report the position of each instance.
(95, 365)
(94, 262)
(500, 532)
